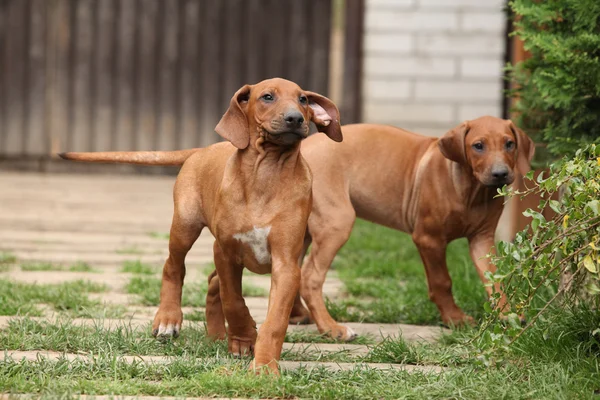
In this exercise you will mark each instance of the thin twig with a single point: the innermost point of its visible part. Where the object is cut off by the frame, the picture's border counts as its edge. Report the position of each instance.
(530, 323)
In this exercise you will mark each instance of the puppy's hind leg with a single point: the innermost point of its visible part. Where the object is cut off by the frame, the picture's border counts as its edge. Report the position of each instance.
(185, 229)
(300, 314)
(215, 319)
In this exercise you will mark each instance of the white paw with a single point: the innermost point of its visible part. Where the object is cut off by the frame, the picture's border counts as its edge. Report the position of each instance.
(169, 330)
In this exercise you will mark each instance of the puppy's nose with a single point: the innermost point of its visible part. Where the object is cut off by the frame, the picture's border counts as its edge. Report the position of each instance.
(293, 119)
(500, 173)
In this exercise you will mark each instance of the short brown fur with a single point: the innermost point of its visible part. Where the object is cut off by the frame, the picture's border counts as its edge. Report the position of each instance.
(264, 183)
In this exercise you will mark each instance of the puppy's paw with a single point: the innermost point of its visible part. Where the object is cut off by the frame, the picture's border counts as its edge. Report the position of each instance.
(241, 347)
(344, 333)
(262, 368)
(458, 319)
(301, 320)
(167, 324)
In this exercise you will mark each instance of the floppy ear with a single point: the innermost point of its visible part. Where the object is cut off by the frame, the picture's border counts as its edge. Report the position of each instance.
(525, 149)
(452, 144)
(325, 115)
(233, 125)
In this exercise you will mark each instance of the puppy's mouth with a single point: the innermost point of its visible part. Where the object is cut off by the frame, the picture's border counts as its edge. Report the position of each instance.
(496, 183)
(287, 137)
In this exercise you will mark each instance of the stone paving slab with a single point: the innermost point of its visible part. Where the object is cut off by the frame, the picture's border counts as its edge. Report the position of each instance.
(378, 331)
(325, 348)
(284, 365)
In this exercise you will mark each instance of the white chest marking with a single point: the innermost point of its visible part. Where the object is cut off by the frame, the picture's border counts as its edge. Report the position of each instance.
(257, 240)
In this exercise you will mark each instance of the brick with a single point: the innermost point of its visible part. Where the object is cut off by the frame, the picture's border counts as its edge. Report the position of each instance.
(492, 22)
(461, 4)
(481, 68)
(458, 90)
(468, 112)
(388, 43)
(407, 112)
(370, 4)
(387, 89)
(409, 66)
(411, 21)
(460, 44)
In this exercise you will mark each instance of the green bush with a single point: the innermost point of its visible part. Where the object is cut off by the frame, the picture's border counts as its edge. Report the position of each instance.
(553, 263)
(558, 88)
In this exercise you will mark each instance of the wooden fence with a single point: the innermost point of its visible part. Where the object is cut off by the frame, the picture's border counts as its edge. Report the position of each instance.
(93, 75)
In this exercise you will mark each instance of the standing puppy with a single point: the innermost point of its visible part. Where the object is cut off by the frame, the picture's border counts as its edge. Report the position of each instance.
(437, 190)
(255, 200)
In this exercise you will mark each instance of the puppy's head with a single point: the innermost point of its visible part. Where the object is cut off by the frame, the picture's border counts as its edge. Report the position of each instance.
(279, 111)
(495, 149)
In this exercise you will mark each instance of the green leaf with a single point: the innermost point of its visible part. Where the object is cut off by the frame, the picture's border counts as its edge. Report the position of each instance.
(592, 288)
(514, 321)
(589, 264)
(594, 205)
(555, 206)
(487, 307)
(529, 175)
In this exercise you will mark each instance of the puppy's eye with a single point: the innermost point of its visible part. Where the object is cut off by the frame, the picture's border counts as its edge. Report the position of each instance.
(478, 146)
(303, 100)
(267, 97)
(510, 145)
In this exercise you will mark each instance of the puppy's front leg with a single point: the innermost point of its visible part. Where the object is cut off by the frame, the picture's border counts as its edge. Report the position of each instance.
(169, 317)
(285, 283)
(241, 328)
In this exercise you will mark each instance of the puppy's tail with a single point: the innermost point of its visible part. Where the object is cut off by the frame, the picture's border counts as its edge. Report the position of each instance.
(176, 157)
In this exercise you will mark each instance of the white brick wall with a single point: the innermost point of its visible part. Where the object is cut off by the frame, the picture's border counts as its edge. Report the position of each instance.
(431, 64)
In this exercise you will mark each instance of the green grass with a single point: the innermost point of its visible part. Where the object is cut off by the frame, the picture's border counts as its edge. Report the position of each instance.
(315, 337)
(385, 279)
(138, 267)
(130, 250)
(18, 298)
(557, 359)
(194, 293)
(7, 258)
(159, 235)
(81, 266)
(46, 266)
(42, 266)
(553, 366)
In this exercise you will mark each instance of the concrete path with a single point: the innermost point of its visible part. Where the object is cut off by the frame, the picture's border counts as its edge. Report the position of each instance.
(104, 221)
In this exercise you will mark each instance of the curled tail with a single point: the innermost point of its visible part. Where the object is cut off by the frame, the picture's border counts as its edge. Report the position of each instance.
(176, 157)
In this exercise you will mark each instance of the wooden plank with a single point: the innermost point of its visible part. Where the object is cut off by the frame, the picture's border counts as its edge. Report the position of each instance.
(276, 39)
(126, 78)
(147, 18)
(254, 39)
(320, 34)
(167, 99)
(15, 79)
(81, 132)
(350, 105)
(210, 109)
(233, 51)
(297, 45)
(103, 69)
(35, 137)
(3, 94)
(189, 90)
(57, 89)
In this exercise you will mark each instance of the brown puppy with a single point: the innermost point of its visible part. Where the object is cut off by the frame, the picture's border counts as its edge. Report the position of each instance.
(437, 190)
(254, 199)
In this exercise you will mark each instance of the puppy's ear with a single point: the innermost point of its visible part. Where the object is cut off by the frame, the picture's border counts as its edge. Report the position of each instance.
(452, 144)
(325, 115)
(233, 126)
(525, 148)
